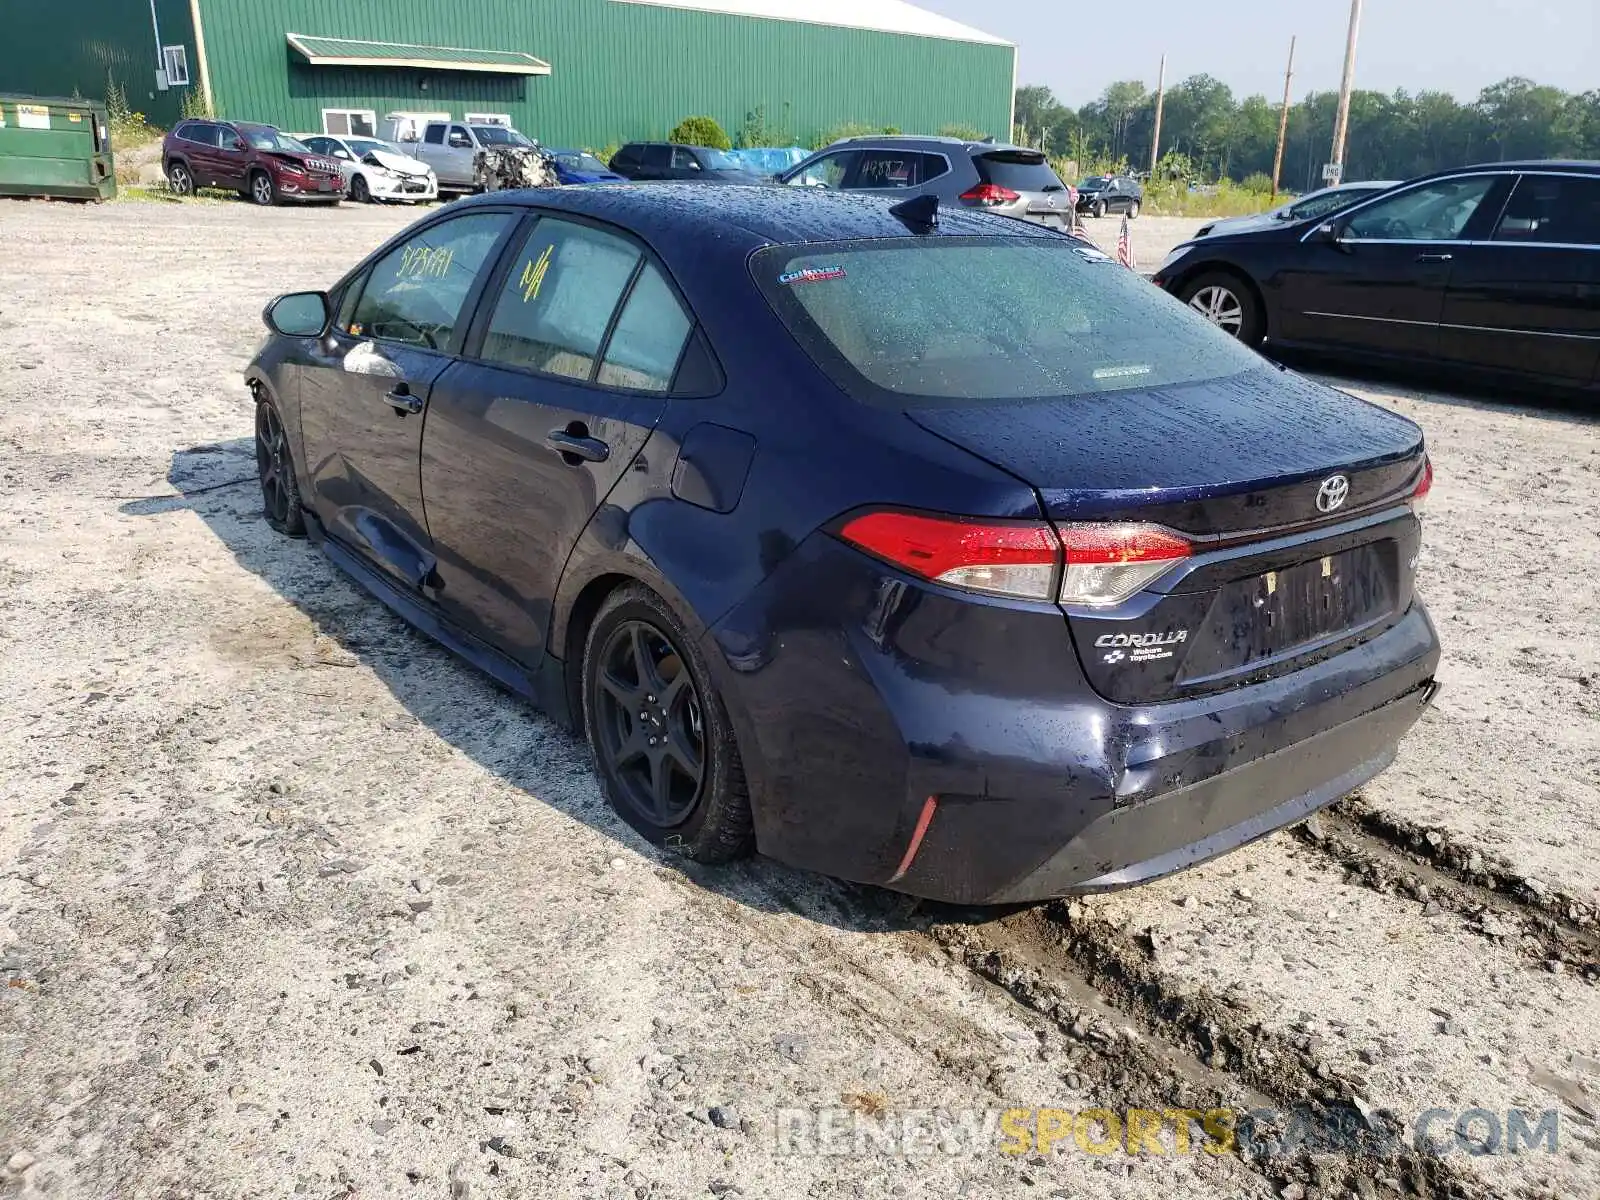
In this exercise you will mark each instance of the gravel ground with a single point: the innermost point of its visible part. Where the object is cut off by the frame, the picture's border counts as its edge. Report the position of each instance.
(293, 903)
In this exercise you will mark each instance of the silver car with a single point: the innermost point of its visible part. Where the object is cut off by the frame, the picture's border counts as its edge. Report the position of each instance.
(1013, 181)
(1313, 204)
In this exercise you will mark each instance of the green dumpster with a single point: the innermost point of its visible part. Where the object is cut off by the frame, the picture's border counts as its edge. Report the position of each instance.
(55, 147)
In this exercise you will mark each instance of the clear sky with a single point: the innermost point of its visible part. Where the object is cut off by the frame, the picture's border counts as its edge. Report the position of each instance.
(1456, 46)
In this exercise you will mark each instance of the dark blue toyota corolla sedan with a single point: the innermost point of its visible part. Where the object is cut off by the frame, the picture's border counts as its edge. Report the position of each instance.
(927, 549)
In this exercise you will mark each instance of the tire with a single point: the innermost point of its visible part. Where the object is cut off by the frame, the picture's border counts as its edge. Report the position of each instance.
(262, 189)
(1099, 209)
(650, 785)
(1228, 303)
(180, 180)
(1133, 211)
(280, 493)
(360, 192)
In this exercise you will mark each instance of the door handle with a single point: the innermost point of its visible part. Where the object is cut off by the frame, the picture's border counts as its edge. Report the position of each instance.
(576, 446)
(1433, 258)
(402, 401)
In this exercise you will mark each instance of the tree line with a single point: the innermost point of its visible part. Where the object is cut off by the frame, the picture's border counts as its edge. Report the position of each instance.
(1210, 133)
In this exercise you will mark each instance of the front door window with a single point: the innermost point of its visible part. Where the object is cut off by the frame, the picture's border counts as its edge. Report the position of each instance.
(1434, 212)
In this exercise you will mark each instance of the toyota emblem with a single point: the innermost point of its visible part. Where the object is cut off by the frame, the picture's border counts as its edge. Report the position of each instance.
(1333, 492)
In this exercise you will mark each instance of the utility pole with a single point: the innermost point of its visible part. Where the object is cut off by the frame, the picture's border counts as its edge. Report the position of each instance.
(1283, 121)
(1341, 122)
(1161, 97)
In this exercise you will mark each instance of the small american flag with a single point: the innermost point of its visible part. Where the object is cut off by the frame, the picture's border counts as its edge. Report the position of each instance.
(1125, 246)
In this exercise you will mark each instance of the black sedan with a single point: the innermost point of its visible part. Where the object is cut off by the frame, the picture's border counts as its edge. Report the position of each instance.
(926, 548)
(1492, 269)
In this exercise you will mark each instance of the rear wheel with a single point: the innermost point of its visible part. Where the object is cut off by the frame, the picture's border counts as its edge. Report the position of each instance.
(1133, 211)
(262, 190)
(1227, 303)
(179, 180)
(280, 494)
(661, 737)
(359, 191)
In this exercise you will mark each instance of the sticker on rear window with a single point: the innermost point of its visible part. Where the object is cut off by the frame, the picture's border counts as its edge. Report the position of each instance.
(812, 275)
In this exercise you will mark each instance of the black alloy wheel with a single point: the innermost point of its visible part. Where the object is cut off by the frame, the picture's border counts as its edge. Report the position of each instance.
(280, 494)
(650, 724)
(662, 738)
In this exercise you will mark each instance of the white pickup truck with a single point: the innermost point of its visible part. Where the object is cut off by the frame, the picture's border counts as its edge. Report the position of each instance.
(451, 148)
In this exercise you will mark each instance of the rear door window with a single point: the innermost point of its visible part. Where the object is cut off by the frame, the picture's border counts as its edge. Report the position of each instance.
(1019, 170)
(883, 169)
(648, 341)
(416, 293)
(1553, 209)
(657, 156)
(555, 309)
(434, 135)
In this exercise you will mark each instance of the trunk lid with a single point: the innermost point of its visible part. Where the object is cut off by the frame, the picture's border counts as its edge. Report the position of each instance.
(1043, 197)
(1276, 579)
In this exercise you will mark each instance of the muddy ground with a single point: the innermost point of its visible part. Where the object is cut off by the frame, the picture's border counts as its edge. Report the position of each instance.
(292, 903)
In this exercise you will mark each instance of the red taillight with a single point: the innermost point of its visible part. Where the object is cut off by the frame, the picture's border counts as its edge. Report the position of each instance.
(1424, 485)
(1105, 564)
(1008, 559)
(990, 194)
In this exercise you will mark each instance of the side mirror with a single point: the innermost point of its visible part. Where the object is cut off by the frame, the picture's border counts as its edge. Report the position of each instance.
(298, 314)
(1327, 232)
(239, 144)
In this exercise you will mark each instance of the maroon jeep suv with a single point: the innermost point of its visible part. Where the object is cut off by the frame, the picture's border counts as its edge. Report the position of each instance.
(255, 160)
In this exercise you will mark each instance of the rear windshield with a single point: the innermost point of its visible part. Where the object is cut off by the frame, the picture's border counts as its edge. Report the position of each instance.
(1019, 172)
(945, 320)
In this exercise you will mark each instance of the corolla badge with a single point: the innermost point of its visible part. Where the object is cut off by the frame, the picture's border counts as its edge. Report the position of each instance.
(1332, 494)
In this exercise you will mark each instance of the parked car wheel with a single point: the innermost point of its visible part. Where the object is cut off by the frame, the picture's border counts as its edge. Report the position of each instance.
(1099, 209)
(1133, 211)
(359, 191)
(179, 180)
(1228, 304)
(280, 494)
(661, 737)
(262, 189)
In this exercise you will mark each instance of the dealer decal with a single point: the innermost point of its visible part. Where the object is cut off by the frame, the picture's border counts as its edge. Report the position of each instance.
(1139, 647)
(812, 275)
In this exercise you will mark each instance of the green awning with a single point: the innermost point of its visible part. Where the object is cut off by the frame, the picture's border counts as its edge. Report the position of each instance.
(349, 52)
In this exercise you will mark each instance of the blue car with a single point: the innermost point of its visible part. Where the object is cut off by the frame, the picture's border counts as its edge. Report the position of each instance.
(925, 548)
(579, 166)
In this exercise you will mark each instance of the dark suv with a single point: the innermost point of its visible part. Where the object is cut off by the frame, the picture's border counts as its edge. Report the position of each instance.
(1009, 180)
(254, 160)
(672, 160)
(1102, 194)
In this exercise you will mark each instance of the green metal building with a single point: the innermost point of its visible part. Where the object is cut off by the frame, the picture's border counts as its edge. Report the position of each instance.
(583, 72)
